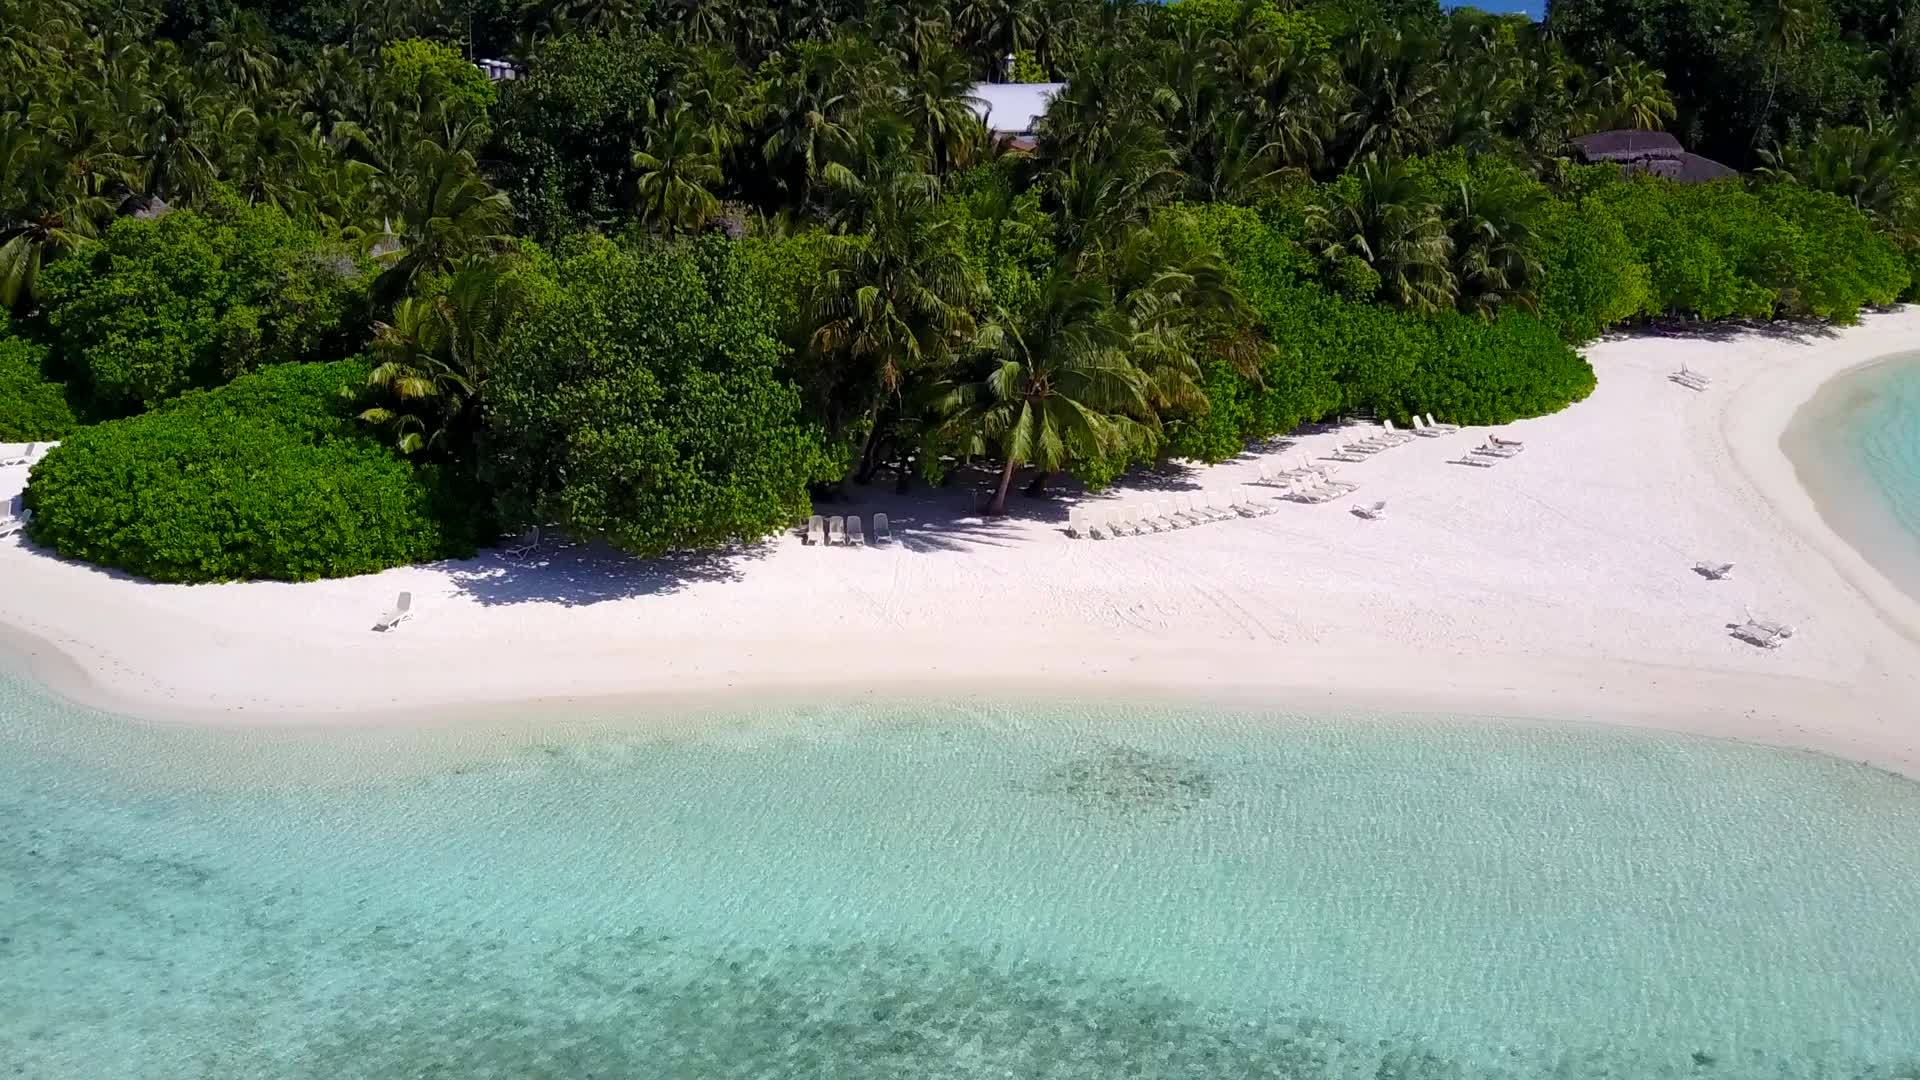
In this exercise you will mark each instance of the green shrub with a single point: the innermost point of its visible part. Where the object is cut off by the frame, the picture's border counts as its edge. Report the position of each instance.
(33, 407)
(419, 70)
(1844, 263)
(268, 477)
(645, 404)
(1593, 278)
(193, 299)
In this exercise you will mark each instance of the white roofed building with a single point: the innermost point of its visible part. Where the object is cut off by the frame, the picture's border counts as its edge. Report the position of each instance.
(1012, 110)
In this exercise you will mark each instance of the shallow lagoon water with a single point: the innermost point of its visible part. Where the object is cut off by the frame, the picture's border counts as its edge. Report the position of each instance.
(1856, 446)
(950, 891)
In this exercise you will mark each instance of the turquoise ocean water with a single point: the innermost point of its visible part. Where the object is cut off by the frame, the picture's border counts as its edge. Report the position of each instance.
(1857, 448)
(948, 892)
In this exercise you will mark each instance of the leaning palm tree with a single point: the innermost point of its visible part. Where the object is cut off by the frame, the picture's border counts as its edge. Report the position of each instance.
(893, 303)
(677, 171)
(55, 209)
(434, 355)
(1060, 388)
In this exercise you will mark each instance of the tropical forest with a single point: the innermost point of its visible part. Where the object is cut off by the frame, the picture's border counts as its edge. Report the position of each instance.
(304, 289)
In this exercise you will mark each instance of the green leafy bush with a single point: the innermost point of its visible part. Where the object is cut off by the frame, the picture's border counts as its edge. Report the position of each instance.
(194, 299)
(428, 71)
(1593, 278)
(33, 407)
(268, 477)
(645, 404)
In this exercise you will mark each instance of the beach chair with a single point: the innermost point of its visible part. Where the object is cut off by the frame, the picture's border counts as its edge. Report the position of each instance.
(1771, 626)
(15, 524)
(1514, 445)
(816, 531)
(882, 529)
(1077, 523)
(1371, 511)
(1395, 433)
(856, 534)
(1761, 634)
(1121, 521)
(1713, 571)
(1491, 450)
(1424, 429)
(1476, 462)
(26, 458)
(401, 612)
(1440, 428)
(1692, 380)
(1097, 526)
(1344, 454)
(836, 530)
(1221, 503)
(1159, 516)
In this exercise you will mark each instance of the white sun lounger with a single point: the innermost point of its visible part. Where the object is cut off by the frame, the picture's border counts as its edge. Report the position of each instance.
(816, 530)
(1123, 521)
(1765, 635)
(836, 530)
(1440, 428)
(1476, 462)
(1690, 379)
(1491, 450)
(856, 533)
(15, 524)
(1714, 571)
(1097, 525)
(402, 610)
(25, 458)
(882, 529)
(1395, 433)
(1508, 444)
(1371, 511)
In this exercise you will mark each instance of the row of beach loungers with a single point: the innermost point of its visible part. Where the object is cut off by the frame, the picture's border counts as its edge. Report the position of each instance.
(846, 531)
(1185, 511)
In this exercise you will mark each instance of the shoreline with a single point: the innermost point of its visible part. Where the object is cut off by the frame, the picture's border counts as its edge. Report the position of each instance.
(1848, 499)
(1511, 592)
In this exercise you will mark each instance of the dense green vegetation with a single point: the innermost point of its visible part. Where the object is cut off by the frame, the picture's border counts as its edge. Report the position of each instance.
(270, 476)
(703, 262)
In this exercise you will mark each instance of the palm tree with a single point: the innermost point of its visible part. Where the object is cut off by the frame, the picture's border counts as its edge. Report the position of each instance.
(893, 304)
(434, 356)
(1871, 166)
(1495, 253)
(1380, 215)
(1061, 386)
(441, 210)
(939, 106)
(995, 30)
(1631, 95)
(677, 171)
(243, 55)
(59, 210)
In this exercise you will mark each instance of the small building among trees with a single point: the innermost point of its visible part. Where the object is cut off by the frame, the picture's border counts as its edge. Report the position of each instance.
(1657, 153)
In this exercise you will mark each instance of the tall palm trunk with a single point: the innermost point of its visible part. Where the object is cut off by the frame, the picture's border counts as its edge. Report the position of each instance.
(999, 504)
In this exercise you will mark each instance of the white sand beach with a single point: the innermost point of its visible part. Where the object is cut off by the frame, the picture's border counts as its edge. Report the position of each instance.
(1556, 585)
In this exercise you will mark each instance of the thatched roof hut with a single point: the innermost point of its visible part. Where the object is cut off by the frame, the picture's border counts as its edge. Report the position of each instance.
(1654, 152)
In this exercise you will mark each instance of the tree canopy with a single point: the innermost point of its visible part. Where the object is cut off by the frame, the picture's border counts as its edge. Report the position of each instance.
(697, 264)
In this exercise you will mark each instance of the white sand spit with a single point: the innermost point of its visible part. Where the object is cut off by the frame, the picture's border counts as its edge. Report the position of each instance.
(1558, 584)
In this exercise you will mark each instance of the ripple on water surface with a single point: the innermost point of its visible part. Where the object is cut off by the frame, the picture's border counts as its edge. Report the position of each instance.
(953, 892)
